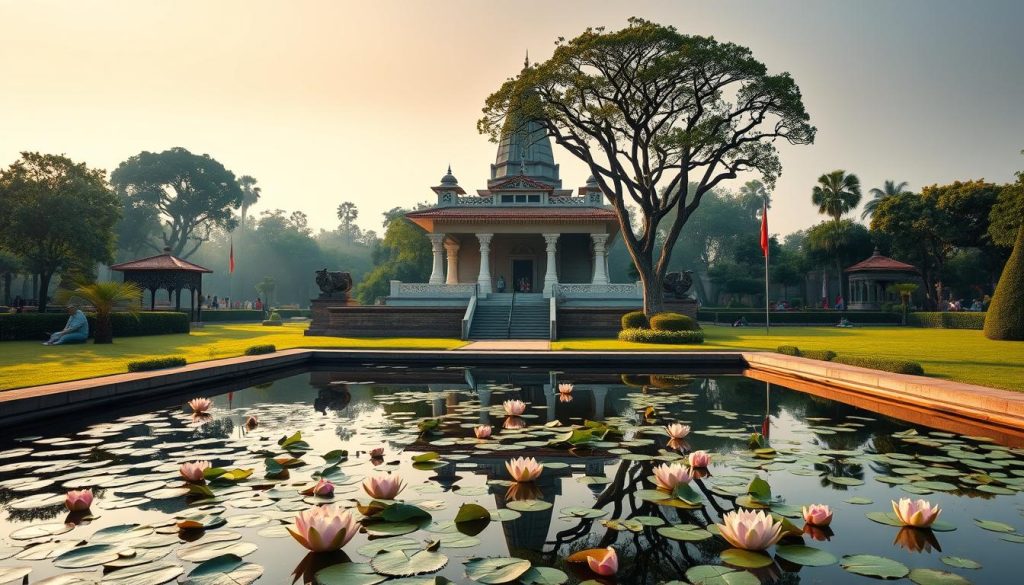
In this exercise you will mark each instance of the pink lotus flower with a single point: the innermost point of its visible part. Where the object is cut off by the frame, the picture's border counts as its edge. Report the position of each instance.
(514, 422)
(194, 471)
(605, 565)
(323, 488)
(78, 500)
(252, 422)
(916, 513)
(700, 459)
(482, 431)
(667, 477)
(324, 528)
(750, 530)
(565, 388)
(384, 487)
(524, 468)
(377, 452)
(677, 431)
(565, 397)
(817, 515)
(514, 407)
(200, 404)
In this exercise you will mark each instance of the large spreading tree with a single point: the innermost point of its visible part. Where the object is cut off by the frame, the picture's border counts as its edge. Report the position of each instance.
(659, 118)
(58, 216)
(191, 194)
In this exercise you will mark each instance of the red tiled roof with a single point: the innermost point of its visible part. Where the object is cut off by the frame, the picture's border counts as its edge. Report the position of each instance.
(520, 182)
(160, 262)
(514, 214)
(877, 262)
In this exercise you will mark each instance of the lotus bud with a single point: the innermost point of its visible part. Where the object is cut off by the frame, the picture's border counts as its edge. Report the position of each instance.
(817, 515)
(667, 477)
(524, 468)
(200, 404)
(916, 513)
(565, 388)
(677, 431)
(605, 565)
(384, 487)
(78, 500)
(377, 452)
(252, 422)
(700, 459)
(193, 472)
(323, 488)
(482, 431)
(324, 528)
(514, 407)
(750, 530)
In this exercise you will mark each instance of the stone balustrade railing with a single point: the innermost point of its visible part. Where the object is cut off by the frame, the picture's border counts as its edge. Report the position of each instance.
(424, 290)
(599, 291)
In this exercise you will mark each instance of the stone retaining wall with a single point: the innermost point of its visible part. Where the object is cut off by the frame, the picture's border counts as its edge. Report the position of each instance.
(384, 321)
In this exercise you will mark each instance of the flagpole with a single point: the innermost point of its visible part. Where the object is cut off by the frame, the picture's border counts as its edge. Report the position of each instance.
(767, 324)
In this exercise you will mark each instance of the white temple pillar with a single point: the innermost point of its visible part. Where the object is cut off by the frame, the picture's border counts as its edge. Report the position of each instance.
(485, 403)
(483, 280)
(437, 272)
(600, 253)
(551, 274)
(453, 262)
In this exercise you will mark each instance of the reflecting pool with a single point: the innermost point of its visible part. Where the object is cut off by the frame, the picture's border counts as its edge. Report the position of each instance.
(771, 448)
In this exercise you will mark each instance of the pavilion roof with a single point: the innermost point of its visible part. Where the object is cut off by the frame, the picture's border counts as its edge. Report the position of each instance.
(163, 261)
(512, 214)
(879, 263)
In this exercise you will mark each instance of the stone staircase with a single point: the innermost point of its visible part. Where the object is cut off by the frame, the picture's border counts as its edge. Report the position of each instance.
(529, 317)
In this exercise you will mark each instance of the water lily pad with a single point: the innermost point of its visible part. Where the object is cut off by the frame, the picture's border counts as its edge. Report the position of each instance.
(40, 531)
(579, 512)
(934, 577)
(504, 515)
(87, 556)
(693, 534)
(203, 551)
(960, 562)
(348, 574)
(543, 576)
(8, 574)
(874, 566)
(224, 570)
(746, 559)
(494, 570)
(994, 526)
(716, 575)
(529, 505)
(472, 512)
(806, 555)
(148, 574)
(79, 578)
(399, 563)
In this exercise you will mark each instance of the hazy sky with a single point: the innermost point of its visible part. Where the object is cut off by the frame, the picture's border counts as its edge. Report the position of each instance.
(369, 101)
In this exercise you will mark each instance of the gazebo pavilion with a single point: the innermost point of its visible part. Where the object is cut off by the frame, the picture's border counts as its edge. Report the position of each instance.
(870, 280)
(170, 273)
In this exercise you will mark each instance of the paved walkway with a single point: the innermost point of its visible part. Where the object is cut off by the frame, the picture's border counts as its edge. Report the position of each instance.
(507, 345)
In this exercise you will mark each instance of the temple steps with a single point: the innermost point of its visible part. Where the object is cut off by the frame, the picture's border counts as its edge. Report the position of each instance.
(529, 317)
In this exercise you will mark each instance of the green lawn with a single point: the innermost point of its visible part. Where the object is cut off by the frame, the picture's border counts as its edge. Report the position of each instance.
(952, 354)
(27, 363)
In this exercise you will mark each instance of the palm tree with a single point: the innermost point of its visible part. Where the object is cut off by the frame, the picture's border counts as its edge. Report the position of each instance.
(754, 195)
(250, 194)
(836, 194)
(104, 298)
(890, 189)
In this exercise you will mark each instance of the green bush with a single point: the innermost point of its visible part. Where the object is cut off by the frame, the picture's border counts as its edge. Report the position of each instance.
(805, 317)
(788, 350)
(960, 320)
(1007, 306)
(634, 320)
(653, 336)
(673, 322)
(156, 364)
(885, 364)
(260, 349)
(33, 326)
(825, 355)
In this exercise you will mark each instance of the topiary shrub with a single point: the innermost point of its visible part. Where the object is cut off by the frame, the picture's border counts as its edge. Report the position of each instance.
(655, 336)
(156, 364)
(260, 349)
(956, 320)
(825, 355)
(634, 320)
(788, 350)
(673, 322)
(1006, 312)
(275, 319)
(885, 364)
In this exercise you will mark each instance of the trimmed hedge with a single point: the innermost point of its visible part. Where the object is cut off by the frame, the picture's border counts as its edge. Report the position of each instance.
(958, 320)
(636, 335)
(788, 350)
(634, 320)
(885, 364)
(260, 349)
(156, 364)
(825, 355)
(224, 315)
(673, 322)
(799, 317)
(33, 326)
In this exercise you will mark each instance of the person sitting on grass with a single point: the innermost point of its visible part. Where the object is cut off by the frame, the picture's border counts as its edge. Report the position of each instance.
(75, 331)
(845, 323)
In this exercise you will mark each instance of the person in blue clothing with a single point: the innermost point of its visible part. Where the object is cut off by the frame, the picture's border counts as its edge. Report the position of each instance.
(75, 331)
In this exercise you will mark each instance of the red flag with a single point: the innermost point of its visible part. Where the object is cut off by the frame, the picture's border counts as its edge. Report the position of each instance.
(231, 259)
(764, 231)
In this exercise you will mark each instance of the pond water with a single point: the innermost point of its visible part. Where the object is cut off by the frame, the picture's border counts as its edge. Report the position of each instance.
(595, 489)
